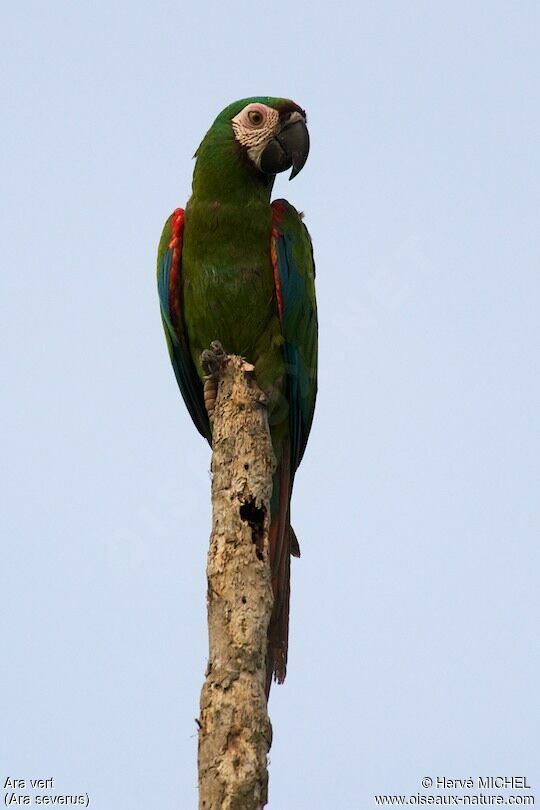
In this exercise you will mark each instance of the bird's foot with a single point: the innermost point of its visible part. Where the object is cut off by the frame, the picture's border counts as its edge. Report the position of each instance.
(211, 362)
(212, 359)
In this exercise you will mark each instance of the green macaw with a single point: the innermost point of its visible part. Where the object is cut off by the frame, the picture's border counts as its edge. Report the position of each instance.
(236, 268)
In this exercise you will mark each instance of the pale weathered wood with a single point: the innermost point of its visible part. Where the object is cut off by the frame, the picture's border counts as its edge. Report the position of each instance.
(235, 732)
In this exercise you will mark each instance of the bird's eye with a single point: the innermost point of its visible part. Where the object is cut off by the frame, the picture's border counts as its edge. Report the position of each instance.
(255, 117)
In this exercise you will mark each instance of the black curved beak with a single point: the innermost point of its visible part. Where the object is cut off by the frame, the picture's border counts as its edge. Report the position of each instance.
(290, 147)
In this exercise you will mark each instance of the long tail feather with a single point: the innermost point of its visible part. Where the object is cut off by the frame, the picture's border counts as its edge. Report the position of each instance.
(283, 542)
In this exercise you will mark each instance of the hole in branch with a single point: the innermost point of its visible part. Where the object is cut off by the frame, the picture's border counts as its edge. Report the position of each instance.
(254, 517)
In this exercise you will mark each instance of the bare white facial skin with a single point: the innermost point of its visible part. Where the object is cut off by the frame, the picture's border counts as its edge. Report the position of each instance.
(254, 127)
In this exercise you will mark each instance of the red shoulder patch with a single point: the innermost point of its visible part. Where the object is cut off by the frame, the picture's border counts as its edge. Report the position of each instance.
(278, 209)
(175, 288)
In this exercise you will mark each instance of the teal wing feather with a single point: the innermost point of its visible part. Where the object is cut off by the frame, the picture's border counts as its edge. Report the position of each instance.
(169, 268)
(294, 270)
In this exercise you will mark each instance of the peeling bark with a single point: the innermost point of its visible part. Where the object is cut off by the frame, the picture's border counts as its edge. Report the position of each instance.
(235, 732)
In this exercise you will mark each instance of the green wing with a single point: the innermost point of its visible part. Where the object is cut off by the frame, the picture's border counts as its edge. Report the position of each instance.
(169, 269)
(294, 270)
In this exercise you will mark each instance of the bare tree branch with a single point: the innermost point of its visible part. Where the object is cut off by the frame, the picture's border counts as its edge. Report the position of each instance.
(235, 732)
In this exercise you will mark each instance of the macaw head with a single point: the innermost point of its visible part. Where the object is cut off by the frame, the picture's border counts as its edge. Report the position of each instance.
(273, 134)
(268, 134)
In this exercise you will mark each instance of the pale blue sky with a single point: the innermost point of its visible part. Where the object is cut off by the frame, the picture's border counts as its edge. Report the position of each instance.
(414, 616)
